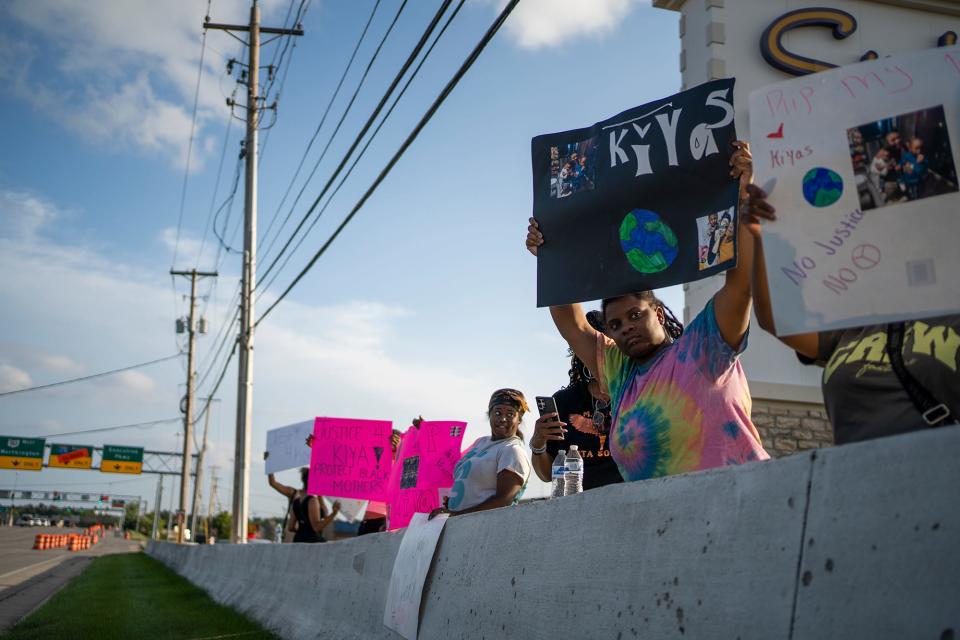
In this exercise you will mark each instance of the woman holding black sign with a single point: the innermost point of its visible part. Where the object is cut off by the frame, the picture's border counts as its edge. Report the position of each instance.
(878, 380)
(679, 397)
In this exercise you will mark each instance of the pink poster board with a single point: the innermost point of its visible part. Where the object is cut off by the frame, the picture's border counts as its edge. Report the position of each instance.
(440, 444)
(350, 458)
(425, 463)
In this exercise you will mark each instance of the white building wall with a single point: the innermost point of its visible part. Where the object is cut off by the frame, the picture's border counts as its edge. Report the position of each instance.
(721, 38)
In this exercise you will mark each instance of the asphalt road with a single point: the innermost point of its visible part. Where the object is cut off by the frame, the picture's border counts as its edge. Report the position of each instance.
(28, 577)
(18, 559)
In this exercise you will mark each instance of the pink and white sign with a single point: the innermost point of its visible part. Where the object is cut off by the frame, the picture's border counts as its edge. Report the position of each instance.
(425, 463)
(440, 444)
(861, 162)
(351, 458)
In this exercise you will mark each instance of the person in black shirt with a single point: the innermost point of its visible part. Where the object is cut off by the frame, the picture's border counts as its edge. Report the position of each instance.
(583, 419)
(307, 510)
(865, 395)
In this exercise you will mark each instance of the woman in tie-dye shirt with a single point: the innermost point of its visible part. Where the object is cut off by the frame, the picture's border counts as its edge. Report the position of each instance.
(680, 398)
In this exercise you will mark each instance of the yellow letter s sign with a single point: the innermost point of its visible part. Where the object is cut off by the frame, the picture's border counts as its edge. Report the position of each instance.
(771, 42)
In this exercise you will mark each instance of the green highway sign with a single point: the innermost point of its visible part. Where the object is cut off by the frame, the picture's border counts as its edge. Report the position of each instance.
(118, 459)
(21, 453)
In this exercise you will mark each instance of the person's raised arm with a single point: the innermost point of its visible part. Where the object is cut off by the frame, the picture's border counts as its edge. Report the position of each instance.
(509, 485)
(732, 303)
(282, 488)
(317, 521)
(570, 320)
(807, 344)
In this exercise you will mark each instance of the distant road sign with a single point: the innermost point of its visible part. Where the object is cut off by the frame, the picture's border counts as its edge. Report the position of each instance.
(22, 454)
(121, 459)
(73, 456)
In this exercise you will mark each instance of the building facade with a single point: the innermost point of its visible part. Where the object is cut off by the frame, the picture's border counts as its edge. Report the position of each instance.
(759, 42)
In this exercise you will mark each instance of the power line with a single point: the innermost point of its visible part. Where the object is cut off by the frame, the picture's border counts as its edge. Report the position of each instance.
(333, 135)
(213, 392)
(266, 285)
(316, 133)
(193, 124)
(447, 90)
(228, 203)
(216, 189)
(277, 62)
(136, 425)
(223, 342)
(90, 377)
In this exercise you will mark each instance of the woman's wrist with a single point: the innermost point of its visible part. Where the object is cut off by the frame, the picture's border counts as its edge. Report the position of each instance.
(538, 450)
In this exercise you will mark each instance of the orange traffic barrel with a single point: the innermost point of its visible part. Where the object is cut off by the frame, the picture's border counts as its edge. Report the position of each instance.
(38, 541)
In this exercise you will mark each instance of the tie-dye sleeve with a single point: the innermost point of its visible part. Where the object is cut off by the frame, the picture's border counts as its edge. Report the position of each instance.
(609, 362)
(703, 343)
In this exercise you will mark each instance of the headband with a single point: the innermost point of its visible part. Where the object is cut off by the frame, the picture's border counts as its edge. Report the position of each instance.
(510, 397)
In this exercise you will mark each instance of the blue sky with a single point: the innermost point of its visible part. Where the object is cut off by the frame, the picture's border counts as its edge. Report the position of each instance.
(425, 304)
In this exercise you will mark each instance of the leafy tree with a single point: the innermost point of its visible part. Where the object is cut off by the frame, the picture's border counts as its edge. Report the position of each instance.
(222, 523)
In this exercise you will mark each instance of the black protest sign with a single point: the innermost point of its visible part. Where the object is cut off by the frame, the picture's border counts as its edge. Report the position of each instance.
(639, 201)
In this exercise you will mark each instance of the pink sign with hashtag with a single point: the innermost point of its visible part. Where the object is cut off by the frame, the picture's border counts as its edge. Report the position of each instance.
(425, 463)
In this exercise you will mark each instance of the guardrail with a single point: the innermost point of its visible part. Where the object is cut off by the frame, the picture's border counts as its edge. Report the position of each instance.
(860, 541)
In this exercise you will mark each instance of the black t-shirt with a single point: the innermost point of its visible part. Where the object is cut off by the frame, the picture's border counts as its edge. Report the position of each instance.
(301, 511)
(863, 395)
(599, 469)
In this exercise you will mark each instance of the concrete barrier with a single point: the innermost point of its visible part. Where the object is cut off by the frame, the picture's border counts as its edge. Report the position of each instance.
(861, 541)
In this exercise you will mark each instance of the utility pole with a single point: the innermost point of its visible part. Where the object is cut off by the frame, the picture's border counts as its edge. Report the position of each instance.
(213, 495)
(156, 508)
(241, 464)
(193, 274)
(199, 479)
(173, 480)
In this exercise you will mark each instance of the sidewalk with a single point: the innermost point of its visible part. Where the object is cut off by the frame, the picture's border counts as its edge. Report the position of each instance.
(26, 589)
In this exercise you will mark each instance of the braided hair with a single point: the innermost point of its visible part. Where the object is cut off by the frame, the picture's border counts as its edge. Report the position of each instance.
(579, 374)
(671, 325)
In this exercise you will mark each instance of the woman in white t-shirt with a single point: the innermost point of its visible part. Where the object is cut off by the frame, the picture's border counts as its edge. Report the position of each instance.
(494, 471)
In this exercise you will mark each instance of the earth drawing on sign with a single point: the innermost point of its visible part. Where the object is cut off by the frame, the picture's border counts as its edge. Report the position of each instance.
(822, 187)
(649, 244)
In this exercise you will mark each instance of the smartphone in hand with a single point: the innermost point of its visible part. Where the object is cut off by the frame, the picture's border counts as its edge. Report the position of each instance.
(546, 404)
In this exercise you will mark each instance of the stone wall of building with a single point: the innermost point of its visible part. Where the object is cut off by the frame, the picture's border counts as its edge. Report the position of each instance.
(789, 427)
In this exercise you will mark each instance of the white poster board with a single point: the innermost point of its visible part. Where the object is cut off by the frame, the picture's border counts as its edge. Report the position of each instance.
(867, 226)
(287, 448)
(402, 611)
(351, 509)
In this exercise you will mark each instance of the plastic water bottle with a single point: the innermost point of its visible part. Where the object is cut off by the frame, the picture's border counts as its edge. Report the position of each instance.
(558, 472)
(573, 478)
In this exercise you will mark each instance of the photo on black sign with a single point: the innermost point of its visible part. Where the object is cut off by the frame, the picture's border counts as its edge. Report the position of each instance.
(715, 232)
(573, 167)
(903, 158)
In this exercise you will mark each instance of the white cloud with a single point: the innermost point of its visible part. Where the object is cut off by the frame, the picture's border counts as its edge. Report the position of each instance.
(123, 73)
(12, 378)
(23, 214)
(30, 357)
(132, 381)
(58, 363)
(543, 23)
(202, 252)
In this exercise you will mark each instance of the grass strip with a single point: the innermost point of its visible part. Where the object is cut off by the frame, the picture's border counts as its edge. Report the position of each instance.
(134, 596)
